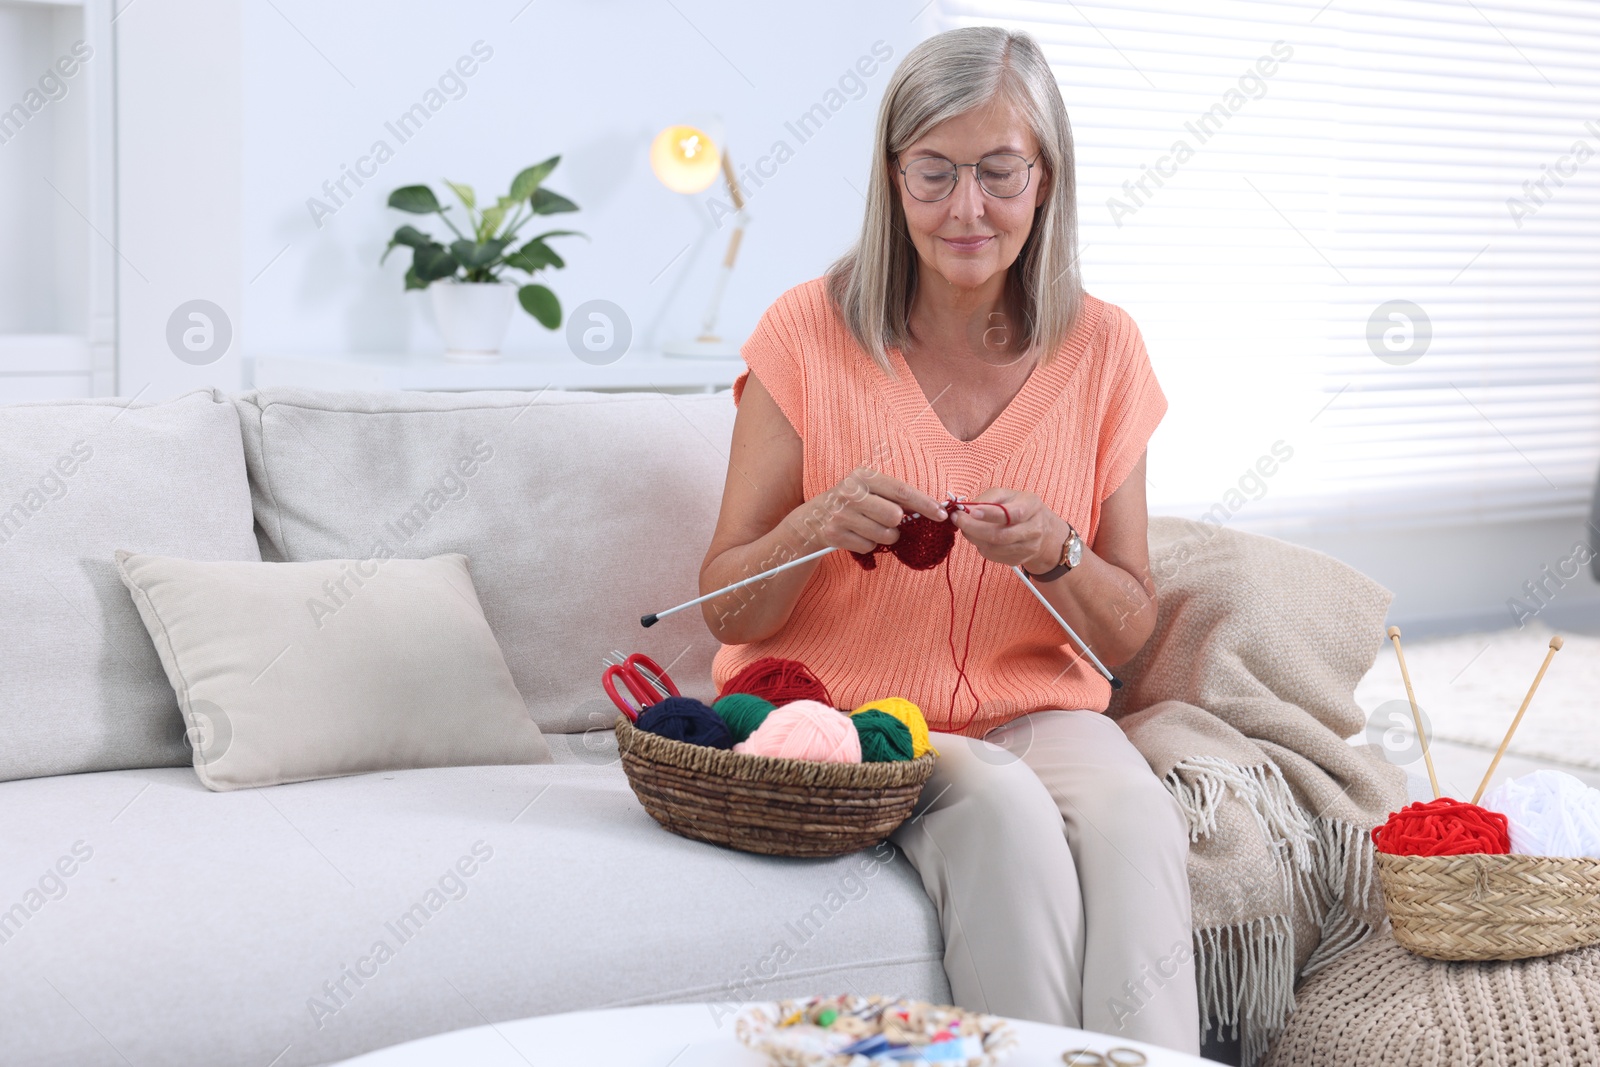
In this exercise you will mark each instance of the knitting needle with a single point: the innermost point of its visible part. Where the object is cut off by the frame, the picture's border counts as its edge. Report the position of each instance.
(1416, 716)
(650, 620)
(1116, 683)
(963, 504)
(1555, 644)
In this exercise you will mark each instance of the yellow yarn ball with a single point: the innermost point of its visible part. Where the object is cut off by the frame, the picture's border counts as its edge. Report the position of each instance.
(908, 713)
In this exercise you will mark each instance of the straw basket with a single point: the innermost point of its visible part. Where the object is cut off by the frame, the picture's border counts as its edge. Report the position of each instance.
(779, 807)
(1483, 906)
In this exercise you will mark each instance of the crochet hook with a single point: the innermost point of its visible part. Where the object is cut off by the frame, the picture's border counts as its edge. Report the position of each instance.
(1416, 716)
(1555, 645)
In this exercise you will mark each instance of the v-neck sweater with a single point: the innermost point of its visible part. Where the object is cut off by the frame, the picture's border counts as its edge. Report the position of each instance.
(1071, 435)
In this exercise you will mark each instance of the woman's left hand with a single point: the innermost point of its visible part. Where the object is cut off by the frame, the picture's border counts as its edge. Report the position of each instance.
(1032, 540)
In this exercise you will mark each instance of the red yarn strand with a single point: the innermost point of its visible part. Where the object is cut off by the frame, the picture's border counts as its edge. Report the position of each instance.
(966, 650)
(925, 543)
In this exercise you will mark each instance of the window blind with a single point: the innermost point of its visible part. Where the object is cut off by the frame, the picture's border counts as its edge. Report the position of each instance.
(1362, 234)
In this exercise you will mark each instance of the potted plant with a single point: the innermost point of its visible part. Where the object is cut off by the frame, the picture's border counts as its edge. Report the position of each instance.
(473, 305)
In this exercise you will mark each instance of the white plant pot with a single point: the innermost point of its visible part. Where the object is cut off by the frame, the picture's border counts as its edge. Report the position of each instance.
(473, 317)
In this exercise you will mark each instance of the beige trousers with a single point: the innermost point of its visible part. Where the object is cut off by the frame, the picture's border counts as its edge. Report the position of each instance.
(1057, 863)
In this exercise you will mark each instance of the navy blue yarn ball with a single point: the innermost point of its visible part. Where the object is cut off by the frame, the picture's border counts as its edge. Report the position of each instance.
(686, 719)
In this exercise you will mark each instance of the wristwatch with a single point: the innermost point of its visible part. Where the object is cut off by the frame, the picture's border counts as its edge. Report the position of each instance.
(1071, 555)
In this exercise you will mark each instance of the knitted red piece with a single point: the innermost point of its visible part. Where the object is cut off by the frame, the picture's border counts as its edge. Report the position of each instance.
(1443, 827)
(924, 543)
(780, 681)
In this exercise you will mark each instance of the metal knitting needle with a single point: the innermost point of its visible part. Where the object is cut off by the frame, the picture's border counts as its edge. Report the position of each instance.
(963, 504)
(650, 620)
(1116, 683)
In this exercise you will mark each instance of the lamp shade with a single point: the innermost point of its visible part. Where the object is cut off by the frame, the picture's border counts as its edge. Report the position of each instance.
(685, 158)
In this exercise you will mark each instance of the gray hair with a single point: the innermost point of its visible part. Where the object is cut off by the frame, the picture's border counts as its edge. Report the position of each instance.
(944, 76)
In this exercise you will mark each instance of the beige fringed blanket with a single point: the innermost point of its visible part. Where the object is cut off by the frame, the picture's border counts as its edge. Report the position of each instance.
(1241, 701)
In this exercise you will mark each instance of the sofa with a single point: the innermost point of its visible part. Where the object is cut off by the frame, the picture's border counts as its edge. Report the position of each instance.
(147, 919)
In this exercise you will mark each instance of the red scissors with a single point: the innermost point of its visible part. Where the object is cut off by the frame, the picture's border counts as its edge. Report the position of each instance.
(644, 679)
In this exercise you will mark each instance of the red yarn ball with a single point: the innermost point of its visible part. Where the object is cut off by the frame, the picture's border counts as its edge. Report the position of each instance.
(924, 543)
(781, 681)
(1443, 827)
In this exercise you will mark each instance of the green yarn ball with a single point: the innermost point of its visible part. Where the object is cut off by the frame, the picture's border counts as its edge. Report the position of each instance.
(743, 712)
(884, 738)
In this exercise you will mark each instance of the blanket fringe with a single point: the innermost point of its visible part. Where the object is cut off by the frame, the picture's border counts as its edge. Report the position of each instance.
(1347, 869)
(1246, 971)
(1246, 980)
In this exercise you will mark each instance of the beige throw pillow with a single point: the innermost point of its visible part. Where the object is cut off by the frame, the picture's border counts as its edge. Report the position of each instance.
(291, 671)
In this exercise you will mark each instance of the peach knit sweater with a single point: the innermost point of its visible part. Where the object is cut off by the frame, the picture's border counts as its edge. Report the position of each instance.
(1071, 435)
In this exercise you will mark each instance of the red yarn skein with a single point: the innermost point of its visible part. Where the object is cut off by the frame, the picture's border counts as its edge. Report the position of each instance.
(780, 681)
(1443, 827)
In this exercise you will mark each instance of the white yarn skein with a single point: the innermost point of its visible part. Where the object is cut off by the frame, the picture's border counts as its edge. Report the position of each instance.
(1550, 813)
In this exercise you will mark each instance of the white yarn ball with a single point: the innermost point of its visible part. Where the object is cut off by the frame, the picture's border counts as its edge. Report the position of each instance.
(1550, 813)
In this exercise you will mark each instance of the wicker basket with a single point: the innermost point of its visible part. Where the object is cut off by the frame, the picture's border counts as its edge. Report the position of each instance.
(779, 807)
(1491, 907)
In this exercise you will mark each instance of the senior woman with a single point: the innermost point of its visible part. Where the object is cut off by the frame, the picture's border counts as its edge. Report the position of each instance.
(953, 351)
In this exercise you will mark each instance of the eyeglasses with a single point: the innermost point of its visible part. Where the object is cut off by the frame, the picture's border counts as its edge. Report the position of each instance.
(1000, 174)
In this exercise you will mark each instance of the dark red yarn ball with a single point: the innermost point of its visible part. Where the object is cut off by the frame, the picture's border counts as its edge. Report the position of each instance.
(781, 681)
(1443, 827)
(924, 544)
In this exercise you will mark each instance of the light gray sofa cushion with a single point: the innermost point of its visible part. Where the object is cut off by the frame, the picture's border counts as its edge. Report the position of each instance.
(291, 671)
(207, 929)
(82, 688)
(579, 511)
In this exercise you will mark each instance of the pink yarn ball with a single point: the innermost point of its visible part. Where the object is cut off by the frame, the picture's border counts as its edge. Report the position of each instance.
(805, 729)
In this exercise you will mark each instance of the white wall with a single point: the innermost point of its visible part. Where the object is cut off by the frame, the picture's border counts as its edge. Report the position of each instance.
(592, 82)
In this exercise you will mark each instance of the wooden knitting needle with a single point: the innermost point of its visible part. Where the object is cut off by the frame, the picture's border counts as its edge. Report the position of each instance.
(648, 621)
(1555, 645)
(1416, 716)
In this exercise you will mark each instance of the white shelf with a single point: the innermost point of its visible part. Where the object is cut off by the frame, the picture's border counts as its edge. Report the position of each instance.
(636, 371)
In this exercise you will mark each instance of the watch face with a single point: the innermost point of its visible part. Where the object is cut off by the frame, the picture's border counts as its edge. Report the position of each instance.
(1074, 551)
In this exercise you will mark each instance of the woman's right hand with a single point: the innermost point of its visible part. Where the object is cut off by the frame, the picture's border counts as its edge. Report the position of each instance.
(766, 520)
(864, 510)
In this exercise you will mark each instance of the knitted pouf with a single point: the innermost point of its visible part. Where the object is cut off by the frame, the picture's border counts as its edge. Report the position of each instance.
(1379, 1004)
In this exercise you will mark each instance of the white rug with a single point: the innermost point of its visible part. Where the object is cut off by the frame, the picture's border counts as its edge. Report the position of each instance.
(1470, 686)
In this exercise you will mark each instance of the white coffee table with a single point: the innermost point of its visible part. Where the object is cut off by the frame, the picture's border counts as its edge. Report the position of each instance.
(677, 1035)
